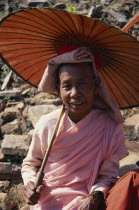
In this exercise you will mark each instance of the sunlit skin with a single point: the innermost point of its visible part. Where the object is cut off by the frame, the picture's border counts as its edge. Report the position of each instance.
(77, 89)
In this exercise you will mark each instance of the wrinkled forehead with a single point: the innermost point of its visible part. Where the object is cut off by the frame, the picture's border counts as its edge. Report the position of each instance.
(82, 69)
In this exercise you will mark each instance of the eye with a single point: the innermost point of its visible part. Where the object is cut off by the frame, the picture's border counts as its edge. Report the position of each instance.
(66, 86)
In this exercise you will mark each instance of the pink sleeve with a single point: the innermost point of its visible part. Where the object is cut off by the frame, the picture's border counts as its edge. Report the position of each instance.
(34, 157)
(109, 168)
(107, 175)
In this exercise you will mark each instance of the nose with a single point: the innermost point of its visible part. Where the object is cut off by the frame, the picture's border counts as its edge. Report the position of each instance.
(75, 92)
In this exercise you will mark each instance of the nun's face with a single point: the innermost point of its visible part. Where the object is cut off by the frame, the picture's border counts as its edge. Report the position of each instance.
(77, 89)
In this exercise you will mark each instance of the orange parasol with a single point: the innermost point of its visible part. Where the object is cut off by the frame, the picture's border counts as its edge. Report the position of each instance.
(28, 39)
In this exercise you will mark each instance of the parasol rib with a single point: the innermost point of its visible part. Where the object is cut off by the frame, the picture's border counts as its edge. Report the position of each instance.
(131, 22)
(116, 88)
(115, 75)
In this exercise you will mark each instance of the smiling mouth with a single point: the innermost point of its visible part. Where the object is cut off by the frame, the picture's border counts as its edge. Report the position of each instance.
(76, 104)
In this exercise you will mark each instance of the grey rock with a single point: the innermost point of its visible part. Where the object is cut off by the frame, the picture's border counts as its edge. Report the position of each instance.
(3, 197)
(31, 132)
(10, 171)
(56, 101)
(25, 124)
(84, 6)
(15, 144)
(25, 207)
(91, 11)
(2, 105)
(131, 127)
(132, 121)
(99, 7)
(26, 91)
(35, 112)
(1, 122)
(6, 80)
(106, 2)
(136, 26)
(43, 98)
(10, 114)
(11, 128)
(20, 106)
(10, 93)
(135, 33)
(60, 6)
(129, 162)
(118, 16)
(1, 155)
(4, 185)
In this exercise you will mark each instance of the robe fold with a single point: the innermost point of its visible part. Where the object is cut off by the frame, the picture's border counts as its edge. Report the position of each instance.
(78, 152)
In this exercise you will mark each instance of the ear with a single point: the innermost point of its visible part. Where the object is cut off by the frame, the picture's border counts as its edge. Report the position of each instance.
(58, 89)
(97, 84)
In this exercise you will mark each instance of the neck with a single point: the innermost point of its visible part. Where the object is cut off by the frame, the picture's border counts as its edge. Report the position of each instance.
(76, 117)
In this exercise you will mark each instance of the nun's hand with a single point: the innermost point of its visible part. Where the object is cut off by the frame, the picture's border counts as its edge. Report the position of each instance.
(89, 203)
(79, 55)
(32, 194)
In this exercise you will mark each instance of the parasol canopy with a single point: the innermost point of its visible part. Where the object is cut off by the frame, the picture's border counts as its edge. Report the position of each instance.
(28, 39)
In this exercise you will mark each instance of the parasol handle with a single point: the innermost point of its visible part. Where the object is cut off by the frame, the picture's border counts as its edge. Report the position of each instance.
(40, 173)
(131, 22)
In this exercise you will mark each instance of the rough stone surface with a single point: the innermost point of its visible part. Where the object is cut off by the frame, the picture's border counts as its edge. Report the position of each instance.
(20, 106)
(10, 114)
(91, 11)
(60, 6)
(2, 105)
(10, 93)
(1, 122)
(25, 111)
(3, 197)
(25, 86)
(5, 204)
(41, 100)
(11, 128)
(4, 185)
(1, 155)
(128, 163)
(35, 112)
(26, 91)
(15, 144)
(30, 133)
(56, 102)
(9, 171)
(103, 2)
(25, 125)
(25, 207)
(118, 16)
(131, 127)
(132, 121)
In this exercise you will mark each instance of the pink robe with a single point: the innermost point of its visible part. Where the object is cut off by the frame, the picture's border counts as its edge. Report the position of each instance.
(79, 154)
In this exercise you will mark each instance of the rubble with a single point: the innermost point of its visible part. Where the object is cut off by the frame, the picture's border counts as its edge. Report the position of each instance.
(10, 93)
(10, 128)
(10, 114)
(10, 171)
(1, 155)
(15, 144)
(121, 18)
(59, 6)
(35, 112)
